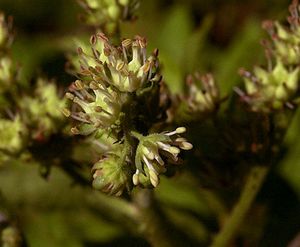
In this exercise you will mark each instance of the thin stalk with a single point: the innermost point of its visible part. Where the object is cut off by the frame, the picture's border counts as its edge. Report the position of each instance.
(253, 184)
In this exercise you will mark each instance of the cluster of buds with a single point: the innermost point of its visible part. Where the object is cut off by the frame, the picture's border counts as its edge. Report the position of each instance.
(201, 98)
(155, 152)
(106, 14)
(275, 87)
(204, 98)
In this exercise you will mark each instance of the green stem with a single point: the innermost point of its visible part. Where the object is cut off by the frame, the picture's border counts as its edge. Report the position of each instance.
(153, 224)
(253, 184)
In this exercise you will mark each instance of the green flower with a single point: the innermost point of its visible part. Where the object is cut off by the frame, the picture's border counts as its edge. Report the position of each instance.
(155, 152)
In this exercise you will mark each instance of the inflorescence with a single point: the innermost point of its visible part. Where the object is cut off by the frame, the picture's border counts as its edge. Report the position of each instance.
(114, 82)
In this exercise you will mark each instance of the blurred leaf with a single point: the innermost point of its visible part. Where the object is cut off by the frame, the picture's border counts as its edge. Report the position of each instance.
(53, 213)
(172, 41)
(186, 197)
(238, 54)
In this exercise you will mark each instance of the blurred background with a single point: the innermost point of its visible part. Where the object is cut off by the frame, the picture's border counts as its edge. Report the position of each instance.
(208, 36)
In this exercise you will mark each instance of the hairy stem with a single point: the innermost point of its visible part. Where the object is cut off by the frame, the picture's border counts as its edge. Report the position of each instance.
(253, 184)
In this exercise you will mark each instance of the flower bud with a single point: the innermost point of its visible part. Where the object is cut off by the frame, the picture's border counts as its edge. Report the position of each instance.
(202, 96)
(111, 175)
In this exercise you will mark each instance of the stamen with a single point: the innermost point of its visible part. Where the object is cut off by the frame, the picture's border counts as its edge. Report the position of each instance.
(148, 164)
(174, 150)
(75, 131)
(153, 178)
(79, 84)
(66, 112)
(69, 96)
(180, 130)
(159, 160)
(148, 153)
(164, 146)
(185, 145)
(78, 118)
(85, 106)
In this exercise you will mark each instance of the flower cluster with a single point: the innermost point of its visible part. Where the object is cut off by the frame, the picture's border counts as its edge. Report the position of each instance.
(125, 67)
(286, 40)
(155, 152)
(268, 90)
(13, 133)
(108, 77)
(275, 87)
(106, 14)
